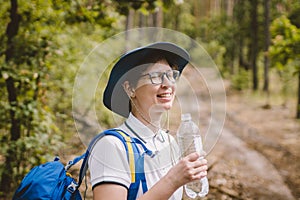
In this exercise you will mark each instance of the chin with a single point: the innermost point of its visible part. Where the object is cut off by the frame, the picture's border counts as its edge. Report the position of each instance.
(162, 108)
(167, 107)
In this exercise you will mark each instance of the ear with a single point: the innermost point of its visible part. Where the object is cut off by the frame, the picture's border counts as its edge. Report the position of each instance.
(129, 89)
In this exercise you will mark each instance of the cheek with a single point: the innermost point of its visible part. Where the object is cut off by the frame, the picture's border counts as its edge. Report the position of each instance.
(146, 93)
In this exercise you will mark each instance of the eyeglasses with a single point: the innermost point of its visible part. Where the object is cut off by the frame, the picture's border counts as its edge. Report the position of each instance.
(158, 77)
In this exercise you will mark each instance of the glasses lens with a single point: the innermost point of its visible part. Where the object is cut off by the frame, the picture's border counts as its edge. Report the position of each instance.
(173, 75)
(156, 77)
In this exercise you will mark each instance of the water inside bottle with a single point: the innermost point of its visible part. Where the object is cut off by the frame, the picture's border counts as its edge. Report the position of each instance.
(189, 144)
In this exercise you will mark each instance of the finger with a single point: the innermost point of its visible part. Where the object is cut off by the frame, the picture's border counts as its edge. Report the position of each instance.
(200, 169)
(200, 175)
(199, 163)
(193, 156)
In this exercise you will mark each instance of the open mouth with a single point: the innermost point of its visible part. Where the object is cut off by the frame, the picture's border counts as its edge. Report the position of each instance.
(164, 95)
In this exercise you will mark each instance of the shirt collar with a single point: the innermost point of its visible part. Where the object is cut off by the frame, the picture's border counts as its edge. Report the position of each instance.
(143, 131)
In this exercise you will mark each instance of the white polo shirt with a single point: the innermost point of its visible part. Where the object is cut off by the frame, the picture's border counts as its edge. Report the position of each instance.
(108, 161)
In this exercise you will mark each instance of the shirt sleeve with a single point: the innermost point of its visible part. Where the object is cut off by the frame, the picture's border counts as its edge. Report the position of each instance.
(108, 162)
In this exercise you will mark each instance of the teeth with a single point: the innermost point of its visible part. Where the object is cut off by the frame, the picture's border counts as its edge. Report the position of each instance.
(165, 95)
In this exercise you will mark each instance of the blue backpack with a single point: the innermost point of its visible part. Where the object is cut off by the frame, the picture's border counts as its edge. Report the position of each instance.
(52, 181)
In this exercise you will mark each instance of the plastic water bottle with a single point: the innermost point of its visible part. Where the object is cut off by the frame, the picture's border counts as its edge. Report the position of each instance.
(189, 140)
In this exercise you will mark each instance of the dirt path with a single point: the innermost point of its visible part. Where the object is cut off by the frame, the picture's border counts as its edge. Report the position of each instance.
(272, 132)
(240, 172)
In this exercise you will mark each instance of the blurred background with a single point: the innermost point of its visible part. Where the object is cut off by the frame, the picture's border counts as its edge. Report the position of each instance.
(254, 43)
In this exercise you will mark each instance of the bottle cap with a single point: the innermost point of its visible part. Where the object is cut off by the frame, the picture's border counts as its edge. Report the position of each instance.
(186, 117)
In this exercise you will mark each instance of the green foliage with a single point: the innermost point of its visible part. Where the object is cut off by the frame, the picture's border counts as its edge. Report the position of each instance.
(294, 16)
(91, 12)
(30, 150)
(285, 42)
(47, 51)
(24, 64)
(216, 51)
(179, 17)
(240, 81)
(221, 39)
(123, 6)
(285, 51)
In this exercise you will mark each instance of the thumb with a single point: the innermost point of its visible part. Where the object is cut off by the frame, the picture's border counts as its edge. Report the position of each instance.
(193, 156)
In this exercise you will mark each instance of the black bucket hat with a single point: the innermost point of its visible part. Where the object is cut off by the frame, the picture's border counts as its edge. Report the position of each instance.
(115, 97)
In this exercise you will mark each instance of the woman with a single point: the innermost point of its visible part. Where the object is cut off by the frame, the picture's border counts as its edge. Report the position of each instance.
(141, 88)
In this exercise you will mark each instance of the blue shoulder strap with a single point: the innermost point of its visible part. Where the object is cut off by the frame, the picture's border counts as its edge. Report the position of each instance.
(139, 175)
(135, 159)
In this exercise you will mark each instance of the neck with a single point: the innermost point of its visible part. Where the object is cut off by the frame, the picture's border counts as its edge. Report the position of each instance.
(152, 121)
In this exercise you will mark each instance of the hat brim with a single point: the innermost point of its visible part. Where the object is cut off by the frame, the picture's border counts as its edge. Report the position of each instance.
(114, 97)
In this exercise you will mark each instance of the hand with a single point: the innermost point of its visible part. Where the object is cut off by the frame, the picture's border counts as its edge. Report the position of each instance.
(190, 168)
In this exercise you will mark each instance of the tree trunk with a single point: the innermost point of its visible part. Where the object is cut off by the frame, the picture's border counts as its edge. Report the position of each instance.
(15, 129)
(254, 40)
(141, 24)
(176, 17)
(196, 13)
(129, 25)
(267, 44)
(158, 17)
(229, 7)
(298, 105)
(150, 20)
(239, 17)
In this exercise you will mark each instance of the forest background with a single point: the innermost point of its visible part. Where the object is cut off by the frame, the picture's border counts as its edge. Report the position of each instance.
(255, 44)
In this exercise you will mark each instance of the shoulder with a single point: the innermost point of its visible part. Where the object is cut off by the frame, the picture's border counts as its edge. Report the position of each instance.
(109, 141)
(108, 162)
(108, 148)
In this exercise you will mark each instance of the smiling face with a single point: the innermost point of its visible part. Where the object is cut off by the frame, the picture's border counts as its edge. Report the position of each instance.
(151, 100)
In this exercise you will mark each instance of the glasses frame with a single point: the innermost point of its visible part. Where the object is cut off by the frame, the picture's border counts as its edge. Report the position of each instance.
(153, 75)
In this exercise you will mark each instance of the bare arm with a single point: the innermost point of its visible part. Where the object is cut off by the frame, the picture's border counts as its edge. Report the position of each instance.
(109, 191)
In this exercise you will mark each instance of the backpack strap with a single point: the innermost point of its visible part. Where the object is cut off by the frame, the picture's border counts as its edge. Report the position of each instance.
(73, 162)
(132, 152)
(136, 163)
(73, 186)
(139, 175)
(135, 159)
